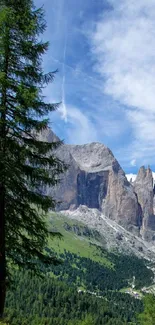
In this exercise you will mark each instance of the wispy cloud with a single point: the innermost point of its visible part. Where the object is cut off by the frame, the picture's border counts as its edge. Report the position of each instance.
(105, 55)
(80, 128)
(63, 109)
(123, 45)
(133, 162)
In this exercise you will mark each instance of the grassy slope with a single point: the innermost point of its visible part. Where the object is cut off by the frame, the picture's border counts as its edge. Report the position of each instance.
(91, 245)
(80, 245)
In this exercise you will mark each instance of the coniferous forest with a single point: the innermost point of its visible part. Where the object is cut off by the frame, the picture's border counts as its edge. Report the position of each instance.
(52, 302)
(76, 290)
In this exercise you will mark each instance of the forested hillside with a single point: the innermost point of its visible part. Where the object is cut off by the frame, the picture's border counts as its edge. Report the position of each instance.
(80, 289)
(42, 302)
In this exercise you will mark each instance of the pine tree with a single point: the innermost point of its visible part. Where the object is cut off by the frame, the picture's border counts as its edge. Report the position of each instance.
(26, 164)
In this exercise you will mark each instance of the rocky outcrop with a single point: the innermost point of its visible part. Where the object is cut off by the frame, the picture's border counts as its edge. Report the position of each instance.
(122, 198)
(143, 186)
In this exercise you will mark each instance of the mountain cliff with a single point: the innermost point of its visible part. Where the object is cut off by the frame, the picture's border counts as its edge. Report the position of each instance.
(143, 186)
(95, 179)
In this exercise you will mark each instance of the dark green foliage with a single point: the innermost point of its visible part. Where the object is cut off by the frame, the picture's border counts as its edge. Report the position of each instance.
(94, 276)
(87, 321)
(56, 300)
(26, 163)
(47, 301)
(148, 315)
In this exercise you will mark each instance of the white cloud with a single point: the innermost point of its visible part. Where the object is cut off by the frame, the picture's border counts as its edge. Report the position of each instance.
(76, 86)
(131, 176)
(80, 128)
(123, 45)
(63, 111)
(133, 162)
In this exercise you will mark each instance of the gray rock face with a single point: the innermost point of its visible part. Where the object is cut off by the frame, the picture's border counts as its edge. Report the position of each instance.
(95, 179)
(114, 236)
(47, 135)
(121, 203)
(143, 186)
(66, 192)
(94, 161)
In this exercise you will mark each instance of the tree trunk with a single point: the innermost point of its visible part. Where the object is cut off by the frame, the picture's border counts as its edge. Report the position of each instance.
(2, 251)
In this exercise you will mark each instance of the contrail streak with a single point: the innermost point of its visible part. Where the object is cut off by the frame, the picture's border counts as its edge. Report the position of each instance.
(64, 109)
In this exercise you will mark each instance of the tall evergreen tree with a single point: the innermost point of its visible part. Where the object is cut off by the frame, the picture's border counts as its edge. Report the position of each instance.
(26, 164)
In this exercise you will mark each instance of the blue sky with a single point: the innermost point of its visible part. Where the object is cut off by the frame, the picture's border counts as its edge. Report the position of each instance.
(105, 54)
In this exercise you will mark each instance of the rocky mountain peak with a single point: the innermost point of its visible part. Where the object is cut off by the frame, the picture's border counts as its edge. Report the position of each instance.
(92, 157)
(143, 187)
(149, 175)
(145, 175)
(96, 180)
(144, 179)
(141, 174)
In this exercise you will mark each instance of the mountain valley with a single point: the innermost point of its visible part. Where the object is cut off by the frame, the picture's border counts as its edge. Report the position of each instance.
(106, 249)
(91, 280)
